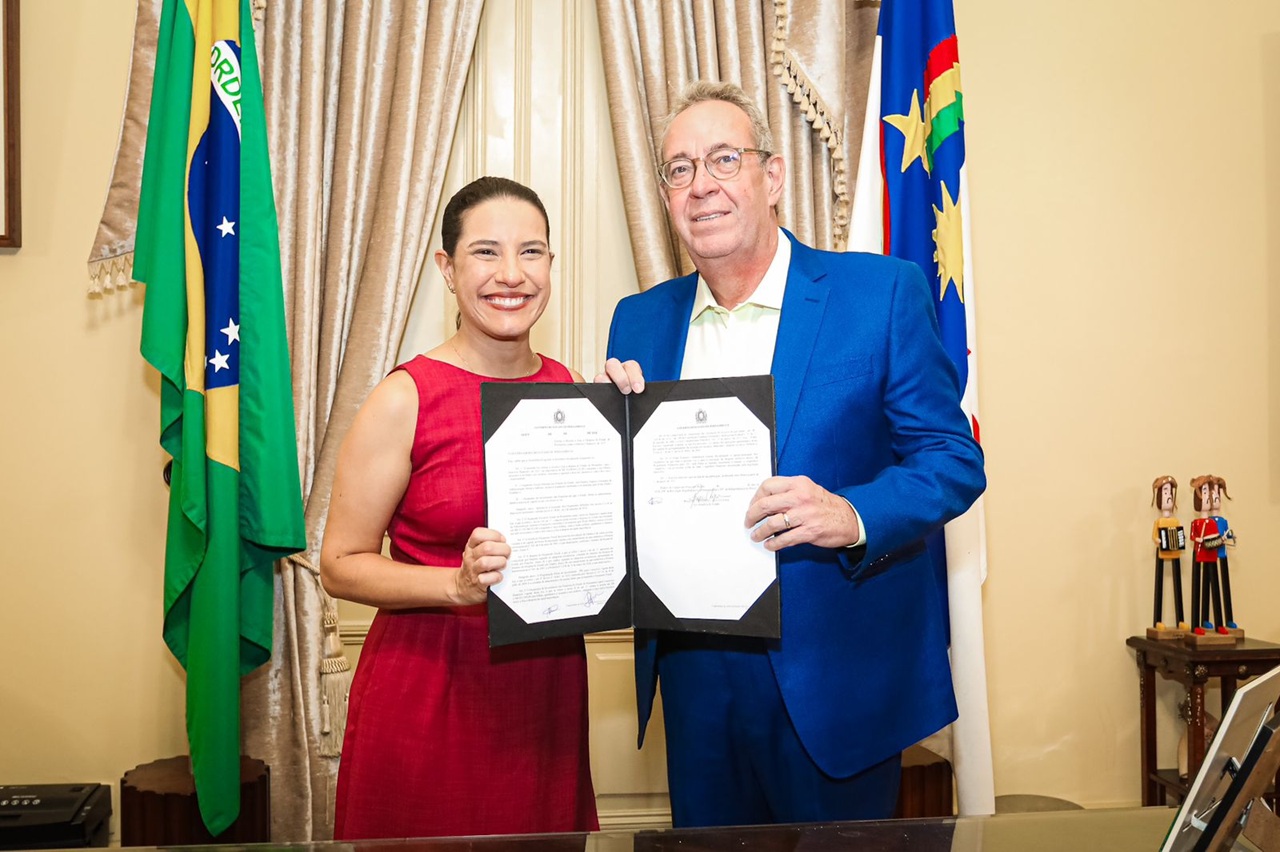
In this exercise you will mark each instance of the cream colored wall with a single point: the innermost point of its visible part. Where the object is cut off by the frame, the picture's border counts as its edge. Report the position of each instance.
(1121, 165)
(87, 688)
(1123, 169)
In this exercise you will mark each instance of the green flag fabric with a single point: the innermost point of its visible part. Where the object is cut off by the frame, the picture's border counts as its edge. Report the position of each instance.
(213, 326)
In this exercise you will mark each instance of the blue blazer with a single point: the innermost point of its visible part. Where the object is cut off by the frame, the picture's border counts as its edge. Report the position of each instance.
(868, 407)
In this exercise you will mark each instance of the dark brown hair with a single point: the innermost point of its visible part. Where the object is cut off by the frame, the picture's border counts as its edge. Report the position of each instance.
(1222, 486)
(1196, 483)
(477, 192)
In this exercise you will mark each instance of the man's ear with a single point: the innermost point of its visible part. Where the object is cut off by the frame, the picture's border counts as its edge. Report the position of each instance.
(775, 171)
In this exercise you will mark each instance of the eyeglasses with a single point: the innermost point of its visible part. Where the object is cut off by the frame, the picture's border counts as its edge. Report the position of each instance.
(721, 164)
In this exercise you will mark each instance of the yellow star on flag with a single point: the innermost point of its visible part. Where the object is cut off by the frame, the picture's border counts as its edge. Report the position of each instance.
(914, 133)
(948, 240)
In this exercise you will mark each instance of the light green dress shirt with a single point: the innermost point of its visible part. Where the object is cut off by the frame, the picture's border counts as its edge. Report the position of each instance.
(740, 341)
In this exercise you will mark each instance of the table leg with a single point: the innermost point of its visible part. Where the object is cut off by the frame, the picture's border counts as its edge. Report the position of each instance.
(1228, 692)
(1195, 729)
(1152, 793)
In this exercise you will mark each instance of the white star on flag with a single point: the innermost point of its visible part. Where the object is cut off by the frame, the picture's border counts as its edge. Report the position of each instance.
(227, 227)
(232, 331)
(219, 361)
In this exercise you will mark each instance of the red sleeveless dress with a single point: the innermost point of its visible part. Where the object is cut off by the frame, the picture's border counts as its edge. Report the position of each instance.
(446, 737)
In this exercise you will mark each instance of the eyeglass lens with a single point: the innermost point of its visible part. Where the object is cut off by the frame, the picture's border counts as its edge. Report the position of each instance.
(722, 163)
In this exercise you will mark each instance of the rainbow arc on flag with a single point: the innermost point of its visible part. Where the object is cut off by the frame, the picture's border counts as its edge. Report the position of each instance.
(922, 156)
(911, 201)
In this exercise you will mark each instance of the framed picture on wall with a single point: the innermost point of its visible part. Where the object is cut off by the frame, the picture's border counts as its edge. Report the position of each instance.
(10, 173)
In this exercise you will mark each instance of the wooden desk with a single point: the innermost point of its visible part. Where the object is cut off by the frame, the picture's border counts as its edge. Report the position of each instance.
(1193, 668)
(1122, 830)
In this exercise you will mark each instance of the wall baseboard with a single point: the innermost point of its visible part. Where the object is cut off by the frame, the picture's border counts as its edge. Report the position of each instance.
(633, 811)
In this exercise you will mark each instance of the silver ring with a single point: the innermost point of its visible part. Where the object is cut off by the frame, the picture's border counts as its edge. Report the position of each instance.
(786, 521)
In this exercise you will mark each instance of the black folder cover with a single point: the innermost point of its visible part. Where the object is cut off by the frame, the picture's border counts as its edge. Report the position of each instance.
(633, 603)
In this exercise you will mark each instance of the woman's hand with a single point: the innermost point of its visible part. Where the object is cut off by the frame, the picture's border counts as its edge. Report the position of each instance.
(483, 559)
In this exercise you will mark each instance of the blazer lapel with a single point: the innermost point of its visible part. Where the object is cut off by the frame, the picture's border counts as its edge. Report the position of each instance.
(803, 305)
(670, 330)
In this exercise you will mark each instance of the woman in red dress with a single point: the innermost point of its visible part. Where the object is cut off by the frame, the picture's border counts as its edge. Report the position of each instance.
(444, 735)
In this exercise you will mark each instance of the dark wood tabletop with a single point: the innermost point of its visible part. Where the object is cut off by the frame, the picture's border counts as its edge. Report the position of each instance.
(1111, 830)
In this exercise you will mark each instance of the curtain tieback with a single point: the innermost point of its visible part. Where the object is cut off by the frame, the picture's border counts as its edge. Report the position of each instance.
(335, 672)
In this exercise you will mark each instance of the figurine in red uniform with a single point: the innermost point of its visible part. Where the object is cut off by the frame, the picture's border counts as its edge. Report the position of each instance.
(1204, 559)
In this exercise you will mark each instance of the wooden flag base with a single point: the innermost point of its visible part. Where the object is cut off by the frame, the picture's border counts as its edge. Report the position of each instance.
(158, 805)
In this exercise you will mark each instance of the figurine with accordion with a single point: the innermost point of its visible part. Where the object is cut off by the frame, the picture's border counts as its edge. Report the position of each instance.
(1170, 539)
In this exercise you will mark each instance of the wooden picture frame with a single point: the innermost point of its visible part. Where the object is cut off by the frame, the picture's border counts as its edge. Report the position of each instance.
(10, 164)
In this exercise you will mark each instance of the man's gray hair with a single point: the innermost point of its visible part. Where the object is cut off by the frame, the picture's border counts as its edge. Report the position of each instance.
(708, 90)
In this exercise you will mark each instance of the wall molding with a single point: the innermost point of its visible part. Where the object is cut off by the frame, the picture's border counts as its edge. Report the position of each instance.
(572, 177)
(354, 631)
(522, 97)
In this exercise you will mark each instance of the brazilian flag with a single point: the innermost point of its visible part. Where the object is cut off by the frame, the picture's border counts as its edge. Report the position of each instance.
(208, 251)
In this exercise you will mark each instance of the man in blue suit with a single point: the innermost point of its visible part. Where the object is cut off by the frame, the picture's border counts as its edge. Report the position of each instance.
(874, 454)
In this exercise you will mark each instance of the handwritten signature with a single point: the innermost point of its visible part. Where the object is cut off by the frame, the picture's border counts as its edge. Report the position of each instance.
(705, 497)
(588, 599)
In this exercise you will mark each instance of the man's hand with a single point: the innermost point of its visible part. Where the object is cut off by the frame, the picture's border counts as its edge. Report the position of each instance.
(787, 510)
(627, 376)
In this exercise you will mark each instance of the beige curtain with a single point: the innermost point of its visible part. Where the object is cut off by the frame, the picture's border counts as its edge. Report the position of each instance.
(805, 62)
(111, 257)
(362, 100)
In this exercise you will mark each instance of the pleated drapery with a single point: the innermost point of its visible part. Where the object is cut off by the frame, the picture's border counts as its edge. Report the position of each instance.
(806, 63)
(111, 256)
(362, 100)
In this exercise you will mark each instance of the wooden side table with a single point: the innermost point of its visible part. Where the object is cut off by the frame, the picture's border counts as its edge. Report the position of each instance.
(1193, 668)
(158, 805)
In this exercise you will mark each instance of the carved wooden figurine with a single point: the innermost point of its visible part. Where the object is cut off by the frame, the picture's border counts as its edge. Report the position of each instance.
(1205, 540)
(1170, 540)
(1228, 540)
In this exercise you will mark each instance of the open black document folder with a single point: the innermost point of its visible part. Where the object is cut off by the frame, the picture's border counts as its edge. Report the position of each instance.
(632, 602)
